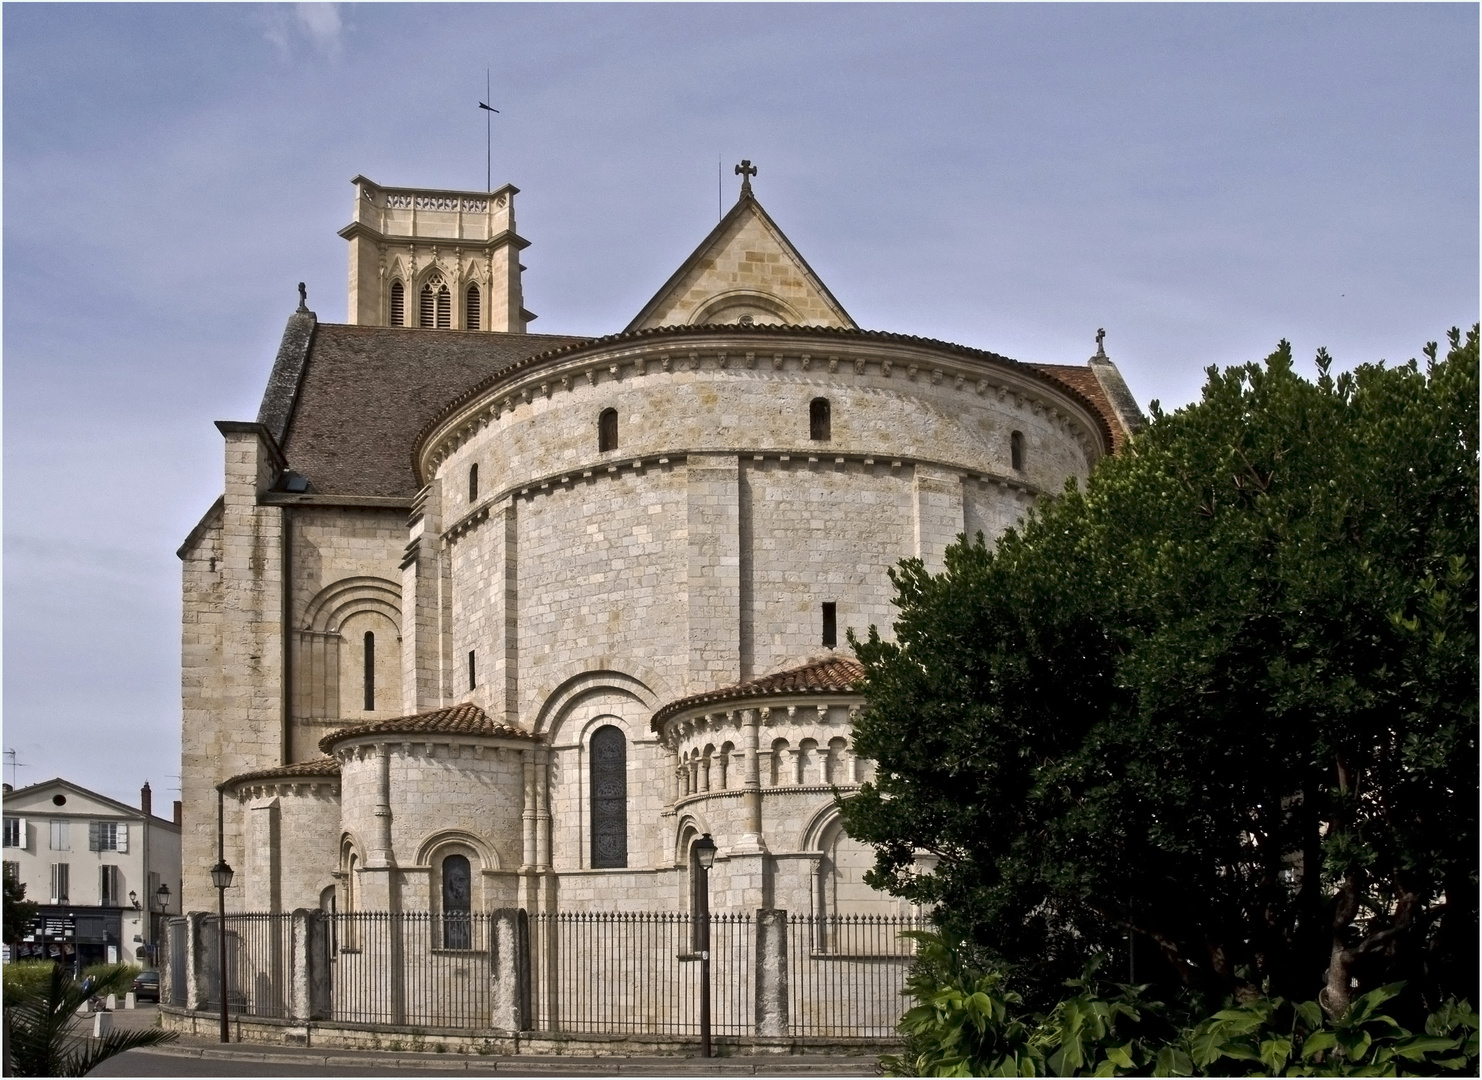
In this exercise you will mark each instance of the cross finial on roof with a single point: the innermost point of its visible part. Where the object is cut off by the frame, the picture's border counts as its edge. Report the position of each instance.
(303, 298)
(746, 170)
(1100, 342)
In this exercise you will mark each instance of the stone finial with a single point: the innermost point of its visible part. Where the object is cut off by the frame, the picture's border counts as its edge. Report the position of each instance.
(303, 299)
(1101, 342)
(746, 170)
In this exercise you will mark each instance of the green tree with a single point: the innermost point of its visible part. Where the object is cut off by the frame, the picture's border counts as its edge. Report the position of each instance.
(18, 913)
(1223, 703)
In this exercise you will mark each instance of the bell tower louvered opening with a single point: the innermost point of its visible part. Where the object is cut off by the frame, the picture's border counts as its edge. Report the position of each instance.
(472, 311)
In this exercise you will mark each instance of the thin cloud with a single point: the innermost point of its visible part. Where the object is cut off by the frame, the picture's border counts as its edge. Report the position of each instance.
(318, 25)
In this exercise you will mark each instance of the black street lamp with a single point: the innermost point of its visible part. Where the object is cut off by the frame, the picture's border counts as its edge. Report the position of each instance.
(705, 856)
(221, 877)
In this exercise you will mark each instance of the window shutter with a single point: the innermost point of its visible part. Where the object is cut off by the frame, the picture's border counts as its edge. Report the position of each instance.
(123, 838)
(105, 894)
(21, 841)
(55, 892)
(92, 836)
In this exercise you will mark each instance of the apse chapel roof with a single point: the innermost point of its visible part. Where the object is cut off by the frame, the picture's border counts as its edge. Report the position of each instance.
(322, 767)
(464, 719)
(829, 675)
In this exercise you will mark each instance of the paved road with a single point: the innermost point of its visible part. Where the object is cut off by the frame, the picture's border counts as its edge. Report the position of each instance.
(201, 1057)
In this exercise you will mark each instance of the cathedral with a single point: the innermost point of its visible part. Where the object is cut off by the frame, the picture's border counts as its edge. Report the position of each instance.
(489, 619)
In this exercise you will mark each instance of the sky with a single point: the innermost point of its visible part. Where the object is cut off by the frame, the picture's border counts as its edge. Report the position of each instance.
(1200, 180)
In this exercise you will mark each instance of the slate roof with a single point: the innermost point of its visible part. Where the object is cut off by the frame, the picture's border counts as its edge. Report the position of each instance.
(465, 719)
(318, 767)
(831, 675)
(346, 402)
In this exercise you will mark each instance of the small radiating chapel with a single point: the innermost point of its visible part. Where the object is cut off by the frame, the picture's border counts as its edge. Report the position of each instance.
(490, 618)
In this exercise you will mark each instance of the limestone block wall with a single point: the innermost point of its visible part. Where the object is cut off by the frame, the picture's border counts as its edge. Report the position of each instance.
(346, 581)
(445, 796)
(291, 832)
(231, 653)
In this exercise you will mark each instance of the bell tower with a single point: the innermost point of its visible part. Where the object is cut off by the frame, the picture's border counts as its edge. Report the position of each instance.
(438, 260)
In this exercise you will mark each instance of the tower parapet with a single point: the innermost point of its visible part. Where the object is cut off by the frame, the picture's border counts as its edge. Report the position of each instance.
(435, 259)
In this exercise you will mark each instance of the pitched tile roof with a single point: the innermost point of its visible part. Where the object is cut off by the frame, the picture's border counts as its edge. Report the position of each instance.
(318, 767)
(465, 719)
(1080, 378)
(830, 675)
(355, 401)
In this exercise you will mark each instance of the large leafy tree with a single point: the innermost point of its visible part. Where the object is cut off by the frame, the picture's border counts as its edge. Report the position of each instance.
(1221, 703)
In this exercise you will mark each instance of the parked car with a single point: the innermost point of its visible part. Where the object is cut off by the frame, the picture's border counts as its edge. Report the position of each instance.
(147, 986)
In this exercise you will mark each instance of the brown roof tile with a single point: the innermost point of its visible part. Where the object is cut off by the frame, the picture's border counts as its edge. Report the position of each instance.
(1083, 380)
(831, 675)
(323, 766)
(465, 719)
(366, 391)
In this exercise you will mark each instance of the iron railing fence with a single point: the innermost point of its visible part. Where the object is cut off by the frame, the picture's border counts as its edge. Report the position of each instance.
(173, 962)
(846, 973)
(415, 968)
(638, 972)
(259, 963)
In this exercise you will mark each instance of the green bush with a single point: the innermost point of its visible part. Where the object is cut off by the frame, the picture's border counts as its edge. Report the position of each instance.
(967, 1022)
(23, 975)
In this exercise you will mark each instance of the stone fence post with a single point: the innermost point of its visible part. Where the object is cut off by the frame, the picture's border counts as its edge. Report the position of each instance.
(509, 971)
(771, 972)
(198, 970)
(309, 975)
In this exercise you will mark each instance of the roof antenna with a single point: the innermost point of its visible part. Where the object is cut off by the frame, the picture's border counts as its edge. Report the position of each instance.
(718, 214)
(14, 765)
(488, 135)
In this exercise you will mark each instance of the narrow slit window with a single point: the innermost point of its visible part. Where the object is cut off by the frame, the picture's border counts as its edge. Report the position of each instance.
(607, 431)
(473, 671)
(473, 483)
(830, 625)
(1016, 451)
(609, 779)
(819, 424)
(472, 311)
(457, 902)
(398, 304)
(370, 671)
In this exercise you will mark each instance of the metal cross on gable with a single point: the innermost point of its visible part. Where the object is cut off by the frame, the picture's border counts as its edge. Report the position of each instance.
(746, 170)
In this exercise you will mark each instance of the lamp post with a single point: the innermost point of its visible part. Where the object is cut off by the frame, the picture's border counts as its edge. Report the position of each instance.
(705, 856)
(221, 877)
(161, 898)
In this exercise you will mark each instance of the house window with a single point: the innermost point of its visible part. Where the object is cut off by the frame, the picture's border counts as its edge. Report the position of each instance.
(12, 871)
(1016, 451)
(60, 880)
(107, 836)
(60, 841)
(436, 312)
(830, 625)
(370, 670)
(607, 431)
(818, 420)
(108, 894)
(457, 903)
(473, 484)
(15, 832)
(398, 304)
(609, 798)
(471, 312)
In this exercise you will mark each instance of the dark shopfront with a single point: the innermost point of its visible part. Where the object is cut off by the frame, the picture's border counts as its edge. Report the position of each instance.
(75, 936)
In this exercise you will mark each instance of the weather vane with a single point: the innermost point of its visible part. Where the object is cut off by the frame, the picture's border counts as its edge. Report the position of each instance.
(488, 135)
